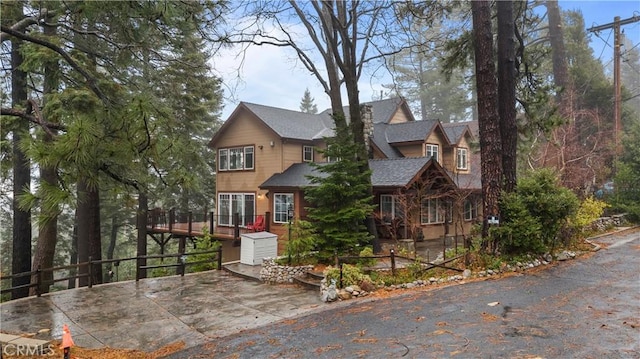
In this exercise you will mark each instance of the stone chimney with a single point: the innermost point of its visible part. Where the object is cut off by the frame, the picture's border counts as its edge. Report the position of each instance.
(367, 120)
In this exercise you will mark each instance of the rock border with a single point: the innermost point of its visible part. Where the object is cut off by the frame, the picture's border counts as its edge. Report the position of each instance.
(273, 273)
(329, 293)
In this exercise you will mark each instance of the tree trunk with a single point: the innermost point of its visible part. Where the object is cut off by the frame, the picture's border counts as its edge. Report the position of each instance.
(89, 241)
(21, 254)
(113, 237)
(558, 52)
(48, 231)
(507, 92)
(47, 234)
(489, 124)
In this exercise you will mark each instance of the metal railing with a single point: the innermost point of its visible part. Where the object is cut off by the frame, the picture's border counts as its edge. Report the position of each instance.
(193, 223)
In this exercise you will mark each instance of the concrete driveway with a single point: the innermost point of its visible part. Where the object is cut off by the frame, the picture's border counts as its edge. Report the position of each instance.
(584, 308)
(149, 314)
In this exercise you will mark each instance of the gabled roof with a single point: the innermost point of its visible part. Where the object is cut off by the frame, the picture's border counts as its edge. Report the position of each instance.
(455, 131)
(285, 123)
(408, 131)
(383, 110)
(385, 173)
(289, 124)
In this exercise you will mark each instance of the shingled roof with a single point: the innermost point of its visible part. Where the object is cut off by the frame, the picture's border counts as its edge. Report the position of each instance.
(293, 124)
(396, 172)
(455, 131)
(408, 131)
(382, 110)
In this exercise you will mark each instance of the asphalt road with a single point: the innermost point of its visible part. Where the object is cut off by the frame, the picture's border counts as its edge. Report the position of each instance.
(584, 308)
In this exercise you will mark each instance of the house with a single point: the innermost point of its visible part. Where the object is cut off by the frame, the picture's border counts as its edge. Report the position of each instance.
(263, 156)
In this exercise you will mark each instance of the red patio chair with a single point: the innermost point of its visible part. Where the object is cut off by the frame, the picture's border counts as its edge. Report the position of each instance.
(258, 225)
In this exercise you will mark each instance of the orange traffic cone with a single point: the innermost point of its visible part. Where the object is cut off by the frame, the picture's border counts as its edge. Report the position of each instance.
(67, 341)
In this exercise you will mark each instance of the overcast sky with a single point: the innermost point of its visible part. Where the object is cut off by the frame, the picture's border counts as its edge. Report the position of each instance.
(272, 76)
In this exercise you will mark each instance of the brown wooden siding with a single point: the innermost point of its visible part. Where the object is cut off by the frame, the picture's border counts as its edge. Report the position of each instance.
(413, 150)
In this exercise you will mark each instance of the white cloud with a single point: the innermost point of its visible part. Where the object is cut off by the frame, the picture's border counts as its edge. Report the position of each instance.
(274, 76)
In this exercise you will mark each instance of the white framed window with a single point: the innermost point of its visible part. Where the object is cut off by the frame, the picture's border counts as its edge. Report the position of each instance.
(461, 159)
(236, 158)
(432, 151)
(231, 203)
(281, 204)
(432, 211)
(470, 210)
(307, 153)
(390, 208)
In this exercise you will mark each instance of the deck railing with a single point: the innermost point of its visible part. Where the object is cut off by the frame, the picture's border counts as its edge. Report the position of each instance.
(194, 223)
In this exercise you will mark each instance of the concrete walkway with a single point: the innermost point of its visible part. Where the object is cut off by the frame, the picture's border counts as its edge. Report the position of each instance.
(151, 313)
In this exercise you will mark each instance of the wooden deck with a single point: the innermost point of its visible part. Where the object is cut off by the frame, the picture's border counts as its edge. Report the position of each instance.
(197, 230)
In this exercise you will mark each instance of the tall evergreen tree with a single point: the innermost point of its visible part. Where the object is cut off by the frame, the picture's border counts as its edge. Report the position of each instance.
(489, 122)
(339, 198)
(112, 126)
(507, 92)
(21, 249)
(306, 104)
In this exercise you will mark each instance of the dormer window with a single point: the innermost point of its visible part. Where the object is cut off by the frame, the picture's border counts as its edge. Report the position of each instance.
(461, 159)
(236, 158)
(432, 151)
(307, 153)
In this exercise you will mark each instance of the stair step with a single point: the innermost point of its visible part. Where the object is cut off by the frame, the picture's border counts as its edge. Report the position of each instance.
(308, 283)
(315, 275)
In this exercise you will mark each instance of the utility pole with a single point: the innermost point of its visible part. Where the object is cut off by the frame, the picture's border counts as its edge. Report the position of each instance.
(617, 81)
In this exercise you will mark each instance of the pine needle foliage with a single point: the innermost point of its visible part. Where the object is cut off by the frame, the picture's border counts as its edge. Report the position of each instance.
(339, 198)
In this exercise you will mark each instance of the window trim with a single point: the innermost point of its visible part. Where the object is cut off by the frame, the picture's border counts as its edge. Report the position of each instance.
(428, 146)
(277, 214)
(304, 153)
(396, 208)
(246, 214)
(440, 218)
(465, 165)
(247, 156)
(473, 209)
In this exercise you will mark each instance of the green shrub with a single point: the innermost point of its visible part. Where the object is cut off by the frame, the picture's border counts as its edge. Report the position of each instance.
(351, 275)
(367, 262)
(302, 242)
(534, 215)
(519, 231)
(204, 243)
(590, 209)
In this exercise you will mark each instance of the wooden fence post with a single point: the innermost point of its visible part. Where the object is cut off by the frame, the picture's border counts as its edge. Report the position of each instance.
(220, 258)
(340, 265)
(211, 223)
(236, 226)
(392, 255)
(90, 271)
(38, 281)
(181, 259)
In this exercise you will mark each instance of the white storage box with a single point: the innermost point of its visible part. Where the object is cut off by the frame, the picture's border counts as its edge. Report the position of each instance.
(256, 246)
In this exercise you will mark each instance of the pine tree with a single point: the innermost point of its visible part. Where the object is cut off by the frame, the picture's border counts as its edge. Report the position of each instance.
(306, 104)
(340, 201)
